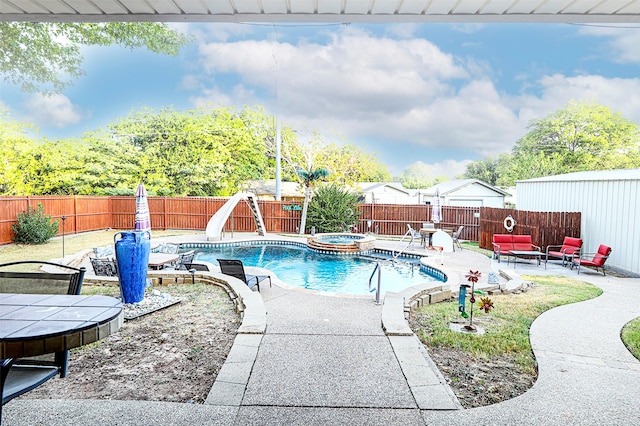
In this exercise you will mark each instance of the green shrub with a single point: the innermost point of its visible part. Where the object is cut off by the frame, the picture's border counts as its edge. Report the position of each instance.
(34, 227)
(333, 209)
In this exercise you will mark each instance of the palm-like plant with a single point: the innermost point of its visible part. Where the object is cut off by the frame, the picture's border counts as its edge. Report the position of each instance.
(309, 178)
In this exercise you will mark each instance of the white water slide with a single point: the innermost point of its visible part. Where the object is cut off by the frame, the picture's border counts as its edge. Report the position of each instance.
(217, 221)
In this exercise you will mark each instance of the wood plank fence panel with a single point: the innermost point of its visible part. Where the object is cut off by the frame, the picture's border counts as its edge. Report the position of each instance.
(87, 213)
(545, 228)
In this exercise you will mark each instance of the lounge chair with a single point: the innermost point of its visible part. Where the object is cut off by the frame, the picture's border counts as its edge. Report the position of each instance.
(570, 247)
(196, 266)
(24, 374)
(597, 261)
(235, 268)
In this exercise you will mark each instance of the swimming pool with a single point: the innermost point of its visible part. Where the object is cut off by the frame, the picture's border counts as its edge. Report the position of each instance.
(299, 266)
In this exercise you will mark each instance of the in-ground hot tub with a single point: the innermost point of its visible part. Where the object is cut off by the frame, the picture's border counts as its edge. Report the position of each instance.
(341, 242)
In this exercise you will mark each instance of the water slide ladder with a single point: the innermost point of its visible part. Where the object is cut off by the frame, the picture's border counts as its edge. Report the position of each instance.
(257, 217)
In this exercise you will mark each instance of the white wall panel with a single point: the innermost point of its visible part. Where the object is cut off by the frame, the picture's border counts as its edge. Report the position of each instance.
(610, 213)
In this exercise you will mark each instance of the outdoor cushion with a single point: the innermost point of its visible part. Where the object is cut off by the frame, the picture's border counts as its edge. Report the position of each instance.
(504, 243)
(569, 247)
(597, 261)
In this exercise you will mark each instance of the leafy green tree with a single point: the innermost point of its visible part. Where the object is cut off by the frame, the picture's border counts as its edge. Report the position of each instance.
(198, 153)
(580, 136)
(333, 209)
(309, 178)
(39, 55)
(14, 145)
(419, 175)
(485, 170)
(349, 165)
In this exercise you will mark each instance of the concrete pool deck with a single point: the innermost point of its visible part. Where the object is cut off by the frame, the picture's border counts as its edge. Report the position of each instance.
(327, 360)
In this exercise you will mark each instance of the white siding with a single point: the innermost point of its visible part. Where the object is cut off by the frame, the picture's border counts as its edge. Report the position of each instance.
(610, 213)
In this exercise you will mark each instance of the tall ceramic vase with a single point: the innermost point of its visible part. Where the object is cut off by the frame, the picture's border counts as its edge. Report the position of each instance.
(132, 255)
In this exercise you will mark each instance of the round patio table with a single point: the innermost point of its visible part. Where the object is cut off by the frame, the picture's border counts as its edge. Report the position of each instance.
(36, 324)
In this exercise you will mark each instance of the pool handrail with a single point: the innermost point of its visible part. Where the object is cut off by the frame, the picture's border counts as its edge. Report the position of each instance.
(379, 270)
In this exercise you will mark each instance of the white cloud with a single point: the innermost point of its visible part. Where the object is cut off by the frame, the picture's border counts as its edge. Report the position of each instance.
(52, 110)
(559, 89)
(388, 93)
(449, 168)
(402, 30)
(622, 42)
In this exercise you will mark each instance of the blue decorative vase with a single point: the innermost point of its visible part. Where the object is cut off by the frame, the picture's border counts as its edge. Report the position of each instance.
(132, 255)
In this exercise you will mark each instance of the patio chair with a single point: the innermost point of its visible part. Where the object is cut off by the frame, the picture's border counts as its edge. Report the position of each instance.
(104, 267)
(184, 259)
(570, 247)
(597, 261)
(235, 268)
(180, 264)
(21, 375)
(456, 238)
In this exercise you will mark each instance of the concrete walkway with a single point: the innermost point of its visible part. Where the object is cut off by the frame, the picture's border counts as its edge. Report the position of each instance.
(327, 360)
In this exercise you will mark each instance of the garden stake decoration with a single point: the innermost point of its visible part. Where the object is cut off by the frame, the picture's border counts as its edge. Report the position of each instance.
(485, 303)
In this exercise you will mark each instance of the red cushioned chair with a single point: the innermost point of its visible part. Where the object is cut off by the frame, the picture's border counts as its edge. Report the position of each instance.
(570, 247)
(596, 262)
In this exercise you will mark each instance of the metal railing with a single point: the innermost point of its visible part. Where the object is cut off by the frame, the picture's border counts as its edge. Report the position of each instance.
(379, 271)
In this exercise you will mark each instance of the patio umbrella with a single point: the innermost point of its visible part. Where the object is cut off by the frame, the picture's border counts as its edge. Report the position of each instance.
(435, 207)
(143, 218)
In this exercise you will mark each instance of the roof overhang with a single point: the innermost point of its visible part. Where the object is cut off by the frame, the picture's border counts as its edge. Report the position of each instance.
(339, 11)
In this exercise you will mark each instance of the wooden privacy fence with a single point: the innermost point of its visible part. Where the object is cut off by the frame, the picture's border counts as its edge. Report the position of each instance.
(81, 214)
(89, 213)
(545, 228)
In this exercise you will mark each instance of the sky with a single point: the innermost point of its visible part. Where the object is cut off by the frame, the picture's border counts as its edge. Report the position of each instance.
(443, 95)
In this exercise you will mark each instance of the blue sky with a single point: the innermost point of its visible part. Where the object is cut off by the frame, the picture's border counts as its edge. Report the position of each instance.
(439, 94)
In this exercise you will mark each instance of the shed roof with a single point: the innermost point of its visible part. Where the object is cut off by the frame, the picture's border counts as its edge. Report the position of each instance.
(449, 186)
(593, 175)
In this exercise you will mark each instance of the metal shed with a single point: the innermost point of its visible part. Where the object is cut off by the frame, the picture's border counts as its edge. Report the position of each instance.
(609, 203)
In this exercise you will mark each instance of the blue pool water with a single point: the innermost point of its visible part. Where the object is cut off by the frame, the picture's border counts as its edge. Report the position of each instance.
(301, 267)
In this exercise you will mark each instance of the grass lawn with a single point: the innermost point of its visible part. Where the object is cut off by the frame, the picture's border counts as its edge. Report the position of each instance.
(631, 337)
(506, 326)
(72, 244)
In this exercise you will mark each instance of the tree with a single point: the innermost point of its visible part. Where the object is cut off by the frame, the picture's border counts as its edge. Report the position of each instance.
(485, 170)
(418, 175)
(349, 165)
(333, 209)
(580, 136)
(14, 145)
(37, 56)
(309, 178)
(200, 152)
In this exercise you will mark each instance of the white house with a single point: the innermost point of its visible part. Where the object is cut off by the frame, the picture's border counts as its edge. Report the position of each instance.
(385, 193)
(609, 201)
(464, 193)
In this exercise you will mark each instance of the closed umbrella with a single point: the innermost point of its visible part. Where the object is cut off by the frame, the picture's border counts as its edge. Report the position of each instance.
(143, 218)
(436, 214)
